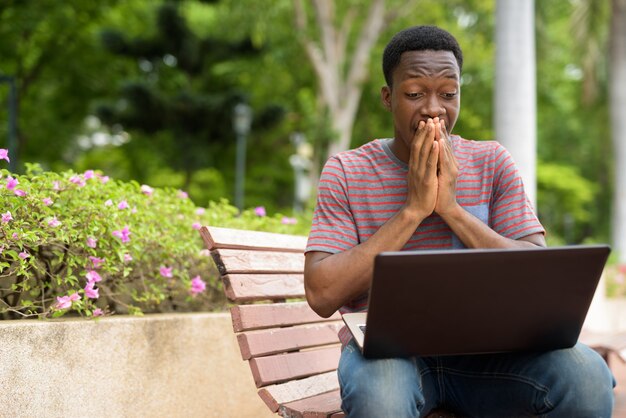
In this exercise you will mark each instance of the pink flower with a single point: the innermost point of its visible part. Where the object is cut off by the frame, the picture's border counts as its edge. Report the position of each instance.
(104, 179)
(6, 217)
(47, 201)
(289, 221)
(63, 302)
(92, 276)
(23, 255)
(92, 242)
(123, 234)
(96, 262)
(147, 190)
(109, 202)
(15, 236)
(4, 154)
(200, 211)
(11, 183)
(197, 285)
(78, 180)
(196, 225)
(89, 174)
(127, 258)
(56, 185)
(91, 292)
(98, 312)
(54, 222)
(260, 211)
(182, 194)
(122, 205)
(165, 271)
(20, 193)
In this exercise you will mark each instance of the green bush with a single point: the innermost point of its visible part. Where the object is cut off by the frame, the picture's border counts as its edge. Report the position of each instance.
(91, 246)
(564, 200)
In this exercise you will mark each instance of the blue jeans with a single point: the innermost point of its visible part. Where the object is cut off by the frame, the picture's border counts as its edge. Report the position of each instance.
(574, 382)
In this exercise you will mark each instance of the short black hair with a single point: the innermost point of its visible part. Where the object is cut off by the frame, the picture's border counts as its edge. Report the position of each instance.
(418, 38)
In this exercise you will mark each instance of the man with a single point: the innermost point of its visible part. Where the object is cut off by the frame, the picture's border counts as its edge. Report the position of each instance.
(426, 189)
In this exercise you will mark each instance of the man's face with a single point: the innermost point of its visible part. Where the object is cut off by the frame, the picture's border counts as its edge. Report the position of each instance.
(426, 84)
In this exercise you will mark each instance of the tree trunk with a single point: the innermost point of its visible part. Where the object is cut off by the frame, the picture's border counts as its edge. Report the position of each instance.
(617, 101)
(515, 89)
(341, 89)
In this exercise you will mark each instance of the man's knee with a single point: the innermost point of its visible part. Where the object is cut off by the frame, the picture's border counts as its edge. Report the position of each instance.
(381, 388)
(580, 383)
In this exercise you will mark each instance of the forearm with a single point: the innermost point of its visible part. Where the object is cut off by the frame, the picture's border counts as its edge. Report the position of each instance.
(476, 234)
(333, 280)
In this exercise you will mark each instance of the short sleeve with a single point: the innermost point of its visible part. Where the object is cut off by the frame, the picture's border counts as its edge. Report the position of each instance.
(333, 228)
(511, 212)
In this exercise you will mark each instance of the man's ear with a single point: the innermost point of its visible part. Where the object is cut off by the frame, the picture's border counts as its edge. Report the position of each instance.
(385, 96)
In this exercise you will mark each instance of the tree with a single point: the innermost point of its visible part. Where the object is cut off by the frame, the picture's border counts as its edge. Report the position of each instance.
(341, 63)
(617, 99)
(590, 21)
(177, 93)
(515, 91)
(47, 47)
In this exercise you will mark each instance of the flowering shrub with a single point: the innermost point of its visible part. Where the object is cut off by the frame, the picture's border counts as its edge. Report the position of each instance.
(616, 279)
(92, 246)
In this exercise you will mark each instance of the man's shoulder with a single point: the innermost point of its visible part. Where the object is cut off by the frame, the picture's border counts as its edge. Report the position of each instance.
(365, 151)
(370, 155)
(469, 145)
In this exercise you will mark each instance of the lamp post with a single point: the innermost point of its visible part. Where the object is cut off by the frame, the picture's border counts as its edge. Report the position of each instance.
(301, 163)
(242, 119)
(12, 145)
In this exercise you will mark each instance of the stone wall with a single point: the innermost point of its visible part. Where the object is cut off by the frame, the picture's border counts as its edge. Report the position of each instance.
(182, 365)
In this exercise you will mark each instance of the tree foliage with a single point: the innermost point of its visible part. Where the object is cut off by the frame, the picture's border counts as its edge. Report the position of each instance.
(179, 116)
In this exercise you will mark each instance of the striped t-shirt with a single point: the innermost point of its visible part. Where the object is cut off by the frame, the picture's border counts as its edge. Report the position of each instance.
(360, 189)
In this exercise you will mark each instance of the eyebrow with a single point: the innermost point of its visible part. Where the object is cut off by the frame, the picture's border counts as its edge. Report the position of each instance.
(448, 75)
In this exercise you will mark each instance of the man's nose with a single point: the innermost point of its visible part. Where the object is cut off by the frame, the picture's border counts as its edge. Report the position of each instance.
(432, 107)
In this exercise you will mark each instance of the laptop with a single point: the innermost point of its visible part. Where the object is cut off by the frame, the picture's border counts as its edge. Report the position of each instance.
(476, 301)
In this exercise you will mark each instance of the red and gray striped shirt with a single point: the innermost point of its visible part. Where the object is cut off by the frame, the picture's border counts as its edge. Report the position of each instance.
(360, 189)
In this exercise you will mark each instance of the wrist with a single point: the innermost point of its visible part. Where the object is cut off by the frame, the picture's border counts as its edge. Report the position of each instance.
(412, 214)
(454, 212)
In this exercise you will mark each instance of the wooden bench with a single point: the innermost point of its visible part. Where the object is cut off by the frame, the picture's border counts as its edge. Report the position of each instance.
(292, 352)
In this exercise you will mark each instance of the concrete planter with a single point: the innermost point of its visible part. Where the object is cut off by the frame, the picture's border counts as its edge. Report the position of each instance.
(169, 365)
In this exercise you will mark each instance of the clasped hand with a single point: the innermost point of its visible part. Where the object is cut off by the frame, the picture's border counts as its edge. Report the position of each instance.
(433, 170)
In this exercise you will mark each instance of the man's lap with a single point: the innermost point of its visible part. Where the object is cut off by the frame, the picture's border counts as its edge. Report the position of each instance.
(480, 385)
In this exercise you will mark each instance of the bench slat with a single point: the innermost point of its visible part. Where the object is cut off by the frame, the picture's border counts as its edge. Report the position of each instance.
(283, 367)
(241, 261)
(250, 317)
(275, 395)
(252, 287)
(216, 238)
(320, 406)
(280, 340)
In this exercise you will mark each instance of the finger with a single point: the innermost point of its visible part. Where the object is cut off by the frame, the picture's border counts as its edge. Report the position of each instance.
(416, 143)
(419, 133)
(426, 148)
(447, 158)
(433, 160)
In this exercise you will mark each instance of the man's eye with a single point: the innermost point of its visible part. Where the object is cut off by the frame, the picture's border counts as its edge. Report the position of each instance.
(413, 95)
(449, 95)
